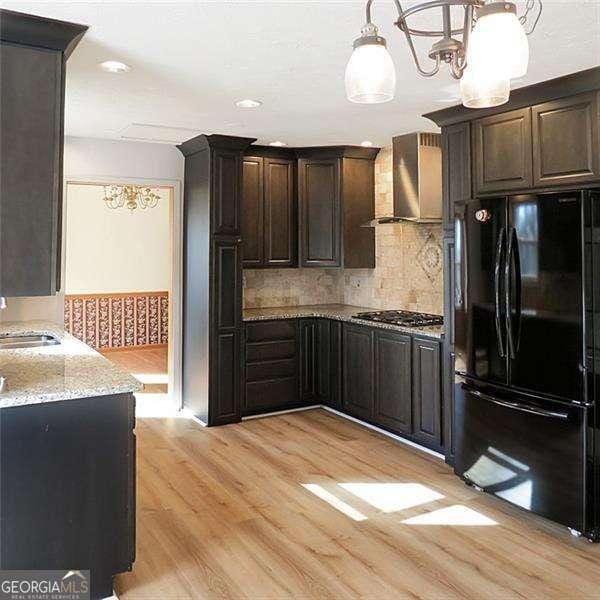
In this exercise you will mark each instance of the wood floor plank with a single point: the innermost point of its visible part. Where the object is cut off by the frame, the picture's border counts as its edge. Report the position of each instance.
(271, 508)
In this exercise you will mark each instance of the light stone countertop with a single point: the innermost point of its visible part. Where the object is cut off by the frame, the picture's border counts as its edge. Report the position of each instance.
(66, 371)
(337, 312)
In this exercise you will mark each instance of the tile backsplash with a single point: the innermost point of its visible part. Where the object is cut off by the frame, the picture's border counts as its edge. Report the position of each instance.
(292, 287)
(408, 274)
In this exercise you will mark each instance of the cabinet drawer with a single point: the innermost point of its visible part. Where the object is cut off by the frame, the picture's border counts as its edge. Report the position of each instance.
(273, 369)
(262, 331)
(262, 351)
(273, 394)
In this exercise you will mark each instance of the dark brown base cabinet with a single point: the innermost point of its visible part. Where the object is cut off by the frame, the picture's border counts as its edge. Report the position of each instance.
(271, 366)
(67, 487)
(383, 377)
(393, 380)
(291, 363)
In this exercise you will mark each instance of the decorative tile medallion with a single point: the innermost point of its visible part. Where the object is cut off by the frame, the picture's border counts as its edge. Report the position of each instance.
(430, 258)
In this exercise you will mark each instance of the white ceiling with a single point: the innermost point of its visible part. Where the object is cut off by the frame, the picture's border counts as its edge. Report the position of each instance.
(192, 60)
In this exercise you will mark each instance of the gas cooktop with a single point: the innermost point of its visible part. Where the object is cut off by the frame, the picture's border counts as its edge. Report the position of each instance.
(405, 318)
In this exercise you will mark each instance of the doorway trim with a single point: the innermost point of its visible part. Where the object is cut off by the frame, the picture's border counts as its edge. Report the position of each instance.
(176, 290)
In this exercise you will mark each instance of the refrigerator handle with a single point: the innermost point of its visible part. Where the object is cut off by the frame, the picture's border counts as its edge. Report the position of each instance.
(497, 299)
(533, 410)
(512, 257)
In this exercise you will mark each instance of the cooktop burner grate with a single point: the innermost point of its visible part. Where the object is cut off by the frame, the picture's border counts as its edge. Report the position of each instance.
(405, 318)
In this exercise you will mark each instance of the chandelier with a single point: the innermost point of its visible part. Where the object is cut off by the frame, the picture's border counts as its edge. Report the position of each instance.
(130, 196)
(489, 50)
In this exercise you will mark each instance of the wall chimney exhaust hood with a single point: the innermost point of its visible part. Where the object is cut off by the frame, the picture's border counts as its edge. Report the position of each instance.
(417, 178)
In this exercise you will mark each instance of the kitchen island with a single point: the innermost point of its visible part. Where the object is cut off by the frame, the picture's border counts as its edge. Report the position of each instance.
(67, 457)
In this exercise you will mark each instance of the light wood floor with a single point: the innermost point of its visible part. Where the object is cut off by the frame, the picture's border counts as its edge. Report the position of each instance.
(148, 364)
(223, 512)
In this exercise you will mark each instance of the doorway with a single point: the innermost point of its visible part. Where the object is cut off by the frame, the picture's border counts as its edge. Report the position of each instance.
(122, 281)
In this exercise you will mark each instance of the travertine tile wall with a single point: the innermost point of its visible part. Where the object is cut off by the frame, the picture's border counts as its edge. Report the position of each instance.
(292, 287)
(408, 273)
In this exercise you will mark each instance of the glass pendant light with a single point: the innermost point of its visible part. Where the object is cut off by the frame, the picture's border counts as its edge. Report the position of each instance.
(370, 74)
(499, 41)
(483, 88)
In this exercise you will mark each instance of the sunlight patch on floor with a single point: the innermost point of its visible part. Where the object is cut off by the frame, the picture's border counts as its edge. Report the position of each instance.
(152, 377)
(452, 515)
(392, 497)
(156, 406)
(334, 501)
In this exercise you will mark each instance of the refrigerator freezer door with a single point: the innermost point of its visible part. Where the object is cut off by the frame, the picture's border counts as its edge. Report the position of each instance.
(545, 324)
(479, 302)
(527, 453)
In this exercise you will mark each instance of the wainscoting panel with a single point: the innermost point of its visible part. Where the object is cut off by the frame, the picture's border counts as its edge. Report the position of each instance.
(119, 320)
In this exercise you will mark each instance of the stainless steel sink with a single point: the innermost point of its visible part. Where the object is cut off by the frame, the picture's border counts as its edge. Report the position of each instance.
(14, 342)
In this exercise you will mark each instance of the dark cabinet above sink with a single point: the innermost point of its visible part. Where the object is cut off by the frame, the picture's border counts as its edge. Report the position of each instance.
(33, 57)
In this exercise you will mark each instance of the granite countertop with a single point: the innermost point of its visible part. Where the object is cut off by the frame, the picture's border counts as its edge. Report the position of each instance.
(66, 371)
(338, 312)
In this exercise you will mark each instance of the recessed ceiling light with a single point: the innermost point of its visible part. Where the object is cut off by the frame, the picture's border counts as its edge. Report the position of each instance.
(247, 103)
(114, 66)
(366, 144)
(277, 143)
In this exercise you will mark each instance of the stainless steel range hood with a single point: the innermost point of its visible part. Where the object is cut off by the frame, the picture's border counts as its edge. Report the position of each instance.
(417, 178)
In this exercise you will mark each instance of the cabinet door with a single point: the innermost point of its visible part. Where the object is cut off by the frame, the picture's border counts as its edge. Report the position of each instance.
(226, 197)
(253, 212)
(308, 360)
(30, 170)
(226, 349)
(358, 371)
(336, 364)
(280, 229)
(320, 205)
(456, 167)
(323, 360)
(393, 376)
(565, 140)
(427, 417)
(502, 146)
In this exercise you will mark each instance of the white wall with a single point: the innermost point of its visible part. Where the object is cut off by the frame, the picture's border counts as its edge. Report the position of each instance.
(95, 159)
(115, 250)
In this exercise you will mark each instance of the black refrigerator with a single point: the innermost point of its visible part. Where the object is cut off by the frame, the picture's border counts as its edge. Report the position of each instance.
(527, 352)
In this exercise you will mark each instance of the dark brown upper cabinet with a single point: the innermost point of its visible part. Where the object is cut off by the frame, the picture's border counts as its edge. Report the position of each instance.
(336, 196)
(269, 227)
(33, 55)
(565, 140)
(253, 213)
(456, 169)
(502, 151)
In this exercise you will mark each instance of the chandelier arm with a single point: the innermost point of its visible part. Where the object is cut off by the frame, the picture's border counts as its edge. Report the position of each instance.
(459, 63)
(368, 9)
(420, 70)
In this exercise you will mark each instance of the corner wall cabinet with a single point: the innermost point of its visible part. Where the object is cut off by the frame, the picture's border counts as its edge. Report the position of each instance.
(33, 56)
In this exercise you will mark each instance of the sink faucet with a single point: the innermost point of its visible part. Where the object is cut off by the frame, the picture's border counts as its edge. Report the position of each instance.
(2, 379)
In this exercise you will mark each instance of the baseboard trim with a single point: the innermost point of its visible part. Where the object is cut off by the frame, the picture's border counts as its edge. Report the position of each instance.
(282, 412)
(387, 433)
